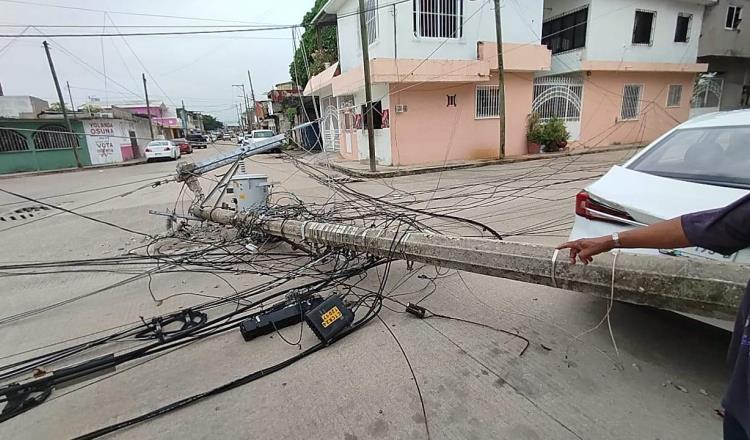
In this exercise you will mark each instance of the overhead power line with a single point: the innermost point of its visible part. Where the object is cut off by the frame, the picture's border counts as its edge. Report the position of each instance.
(151, 34)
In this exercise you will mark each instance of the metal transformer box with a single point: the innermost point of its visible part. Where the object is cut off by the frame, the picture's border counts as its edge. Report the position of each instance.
(250, 191)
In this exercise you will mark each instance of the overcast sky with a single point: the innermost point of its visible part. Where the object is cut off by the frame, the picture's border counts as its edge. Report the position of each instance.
(197, 68)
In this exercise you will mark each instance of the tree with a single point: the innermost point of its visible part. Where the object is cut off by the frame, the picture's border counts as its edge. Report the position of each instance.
(307, 53)
(55, 107)
(211, 123)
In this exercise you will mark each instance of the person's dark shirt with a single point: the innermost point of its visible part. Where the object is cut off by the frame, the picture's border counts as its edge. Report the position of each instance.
(726, 231)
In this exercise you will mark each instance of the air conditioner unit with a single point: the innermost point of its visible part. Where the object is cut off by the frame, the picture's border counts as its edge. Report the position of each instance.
(401, 108)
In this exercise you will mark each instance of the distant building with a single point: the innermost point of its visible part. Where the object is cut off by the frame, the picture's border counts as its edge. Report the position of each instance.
(725, 46)
(21, 106)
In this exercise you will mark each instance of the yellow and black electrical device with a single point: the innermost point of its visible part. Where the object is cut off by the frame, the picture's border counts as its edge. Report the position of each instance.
(329, 319)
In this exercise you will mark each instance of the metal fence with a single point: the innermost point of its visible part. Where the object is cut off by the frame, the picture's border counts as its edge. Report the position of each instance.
(559, 97)
(487, 102)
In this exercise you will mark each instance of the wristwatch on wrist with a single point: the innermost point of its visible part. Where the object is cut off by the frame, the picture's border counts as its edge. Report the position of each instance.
(616, 239)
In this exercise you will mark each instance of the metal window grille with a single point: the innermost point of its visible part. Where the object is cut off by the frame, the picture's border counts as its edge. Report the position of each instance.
(438, 18)
(631, 101)
(50, 137)
(682, 30)
(566, 32)
(558, 97)
(371, 18)
(707, 92)
(11, 140)
(675, 95)
(734, 16)
(487, 102)
(643, 27)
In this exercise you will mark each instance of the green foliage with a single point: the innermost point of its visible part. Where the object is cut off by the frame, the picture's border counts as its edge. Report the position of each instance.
(55, 107)
(290, 112)
(211, 123)
(534, 128)
(91, 108)
(309, 46)
(554, 132)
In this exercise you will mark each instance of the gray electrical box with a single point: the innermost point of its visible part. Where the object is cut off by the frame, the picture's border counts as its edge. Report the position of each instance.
(250, 191)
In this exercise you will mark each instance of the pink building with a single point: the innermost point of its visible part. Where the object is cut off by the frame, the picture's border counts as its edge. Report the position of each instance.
(434, 75)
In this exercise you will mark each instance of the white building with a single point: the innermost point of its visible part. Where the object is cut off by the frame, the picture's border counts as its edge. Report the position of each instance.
(434, 74)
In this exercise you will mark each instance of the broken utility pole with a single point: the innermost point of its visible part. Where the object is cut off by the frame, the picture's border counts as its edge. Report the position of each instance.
(702, 288)
(62, 104)
(368, 86)
(252, 96)
(500, 77)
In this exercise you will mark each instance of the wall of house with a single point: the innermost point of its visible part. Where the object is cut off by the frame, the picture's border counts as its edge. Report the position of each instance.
(109, 140)
(382, 136)
(602, 103)
(716, 40)
(610, 31)
(735, 72)
(432, 132)
(33, 159)
(21, 106)
(521, 20)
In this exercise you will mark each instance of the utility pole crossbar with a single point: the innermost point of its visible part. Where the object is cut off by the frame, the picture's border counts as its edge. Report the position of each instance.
(702, 288)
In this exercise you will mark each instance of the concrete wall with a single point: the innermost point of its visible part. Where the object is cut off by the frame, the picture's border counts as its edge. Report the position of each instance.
(21, 106)
(610, 31)
(521, 20)
(716, 40)
(602, 103)
(736, 73)
(109, 140)
(431, 132)
(33, 159)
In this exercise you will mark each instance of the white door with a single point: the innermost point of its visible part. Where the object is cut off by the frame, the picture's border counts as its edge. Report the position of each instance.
(706, 95)
(560, 97)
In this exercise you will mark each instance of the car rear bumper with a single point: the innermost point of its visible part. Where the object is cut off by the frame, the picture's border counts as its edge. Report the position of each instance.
(161, 154)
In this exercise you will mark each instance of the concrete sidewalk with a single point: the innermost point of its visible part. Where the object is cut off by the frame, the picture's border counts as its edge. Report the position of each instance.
(70, 170)
(361, 169)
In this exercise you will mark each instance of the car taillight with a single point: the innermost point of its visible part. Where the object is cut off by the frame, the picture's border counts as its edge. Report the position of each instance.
(593, 210)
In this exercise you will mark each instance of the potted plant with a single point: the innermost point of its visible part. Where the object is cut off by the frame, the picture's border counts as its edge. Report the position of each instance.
(554, 136)
(533, 133)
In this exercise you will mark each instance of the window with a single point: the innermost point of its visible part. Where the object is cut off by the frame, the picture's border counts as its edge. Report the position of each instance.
(734, 17)
(11, 140)
(674, 96)
(566, 32)
(631, 102)
(371, 19)
(682, 30)
(377, 116)
(438, 18)
(714, 156)
(643, 27)
(53, 136)
(487, 102)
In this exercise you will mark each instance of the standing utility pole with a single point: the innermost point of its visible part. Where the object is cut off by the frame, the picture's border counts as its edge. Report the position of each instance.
(62, 103)
(368, 86)
(184, 119)
(70, 95)
(252, 95)
(148, 106)
(247, 104)
(500, 77)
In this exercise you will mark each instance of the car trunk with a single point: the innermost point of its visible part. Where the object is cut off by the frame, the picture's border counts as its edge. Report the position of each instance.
(649, 199)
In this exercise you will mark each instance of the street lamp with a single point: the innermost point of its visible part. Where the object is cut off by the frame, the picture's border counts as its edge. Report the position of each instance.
(247, 106)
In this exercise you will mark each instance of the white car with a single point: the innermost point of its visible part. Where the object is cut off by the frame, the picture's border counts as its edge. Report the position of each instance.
(162, 149)
(258, 135)
(701, 164)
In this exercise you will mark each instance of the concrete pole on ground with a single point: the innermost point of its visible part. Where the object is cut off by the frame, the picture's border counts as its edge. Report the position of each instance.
(62, 104)
(703, 288)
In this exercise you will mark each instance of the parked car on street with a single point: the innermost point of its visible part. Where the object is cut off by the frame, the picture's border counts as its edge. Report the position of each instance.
(197, 140)
(184, 145)
(701, 164)
(162, 149)
(258, 135)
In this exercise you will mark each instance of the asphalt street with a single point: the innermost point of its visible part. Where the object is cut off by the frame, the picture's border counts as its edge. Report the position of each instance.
(666, 382)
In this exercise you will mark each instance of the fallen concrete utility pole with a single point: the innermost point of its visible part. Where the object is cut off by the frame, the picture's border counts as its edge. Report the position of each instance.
(702, 288)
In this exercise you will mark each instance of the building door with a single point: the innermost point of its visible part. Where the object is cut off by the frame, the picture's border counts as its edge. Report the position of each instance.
(346, 110)
(560, 97)
(330, 123)
(134, 144)
(706, 95)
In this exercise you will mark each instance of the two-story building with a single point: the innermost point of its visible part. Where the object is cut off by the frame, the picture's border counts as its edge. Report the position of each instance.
(434, 78)
(725, 46)
(622, 70)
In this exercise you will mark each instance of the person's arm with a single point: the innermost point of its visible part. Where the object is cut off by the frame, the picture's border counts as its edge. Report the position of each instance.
(663, 235)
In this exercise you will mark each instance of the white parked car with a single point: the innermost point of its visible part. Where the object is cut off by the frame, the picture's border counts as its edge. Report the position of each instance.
(258, 135)
(701, 164)
(162, 149)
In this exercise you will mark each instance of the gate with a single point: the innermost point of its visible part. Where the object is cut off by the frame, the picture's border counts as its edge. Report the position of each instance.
(330, 124)
(706, 95)
(559, 97)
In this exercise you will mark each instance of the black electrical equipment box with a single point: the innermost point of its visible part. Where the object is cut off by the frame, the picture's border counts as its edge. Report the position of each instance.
(329, 318)
(277, 318)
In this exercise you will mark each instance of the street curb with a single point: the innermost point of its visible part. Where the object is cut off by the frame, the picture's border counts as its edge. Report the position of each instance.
(71, 170)
(438, 168)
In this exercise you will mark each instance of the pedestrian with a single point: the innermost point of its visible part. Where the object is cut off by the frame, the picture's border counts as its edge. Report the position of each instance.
(726, 231)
